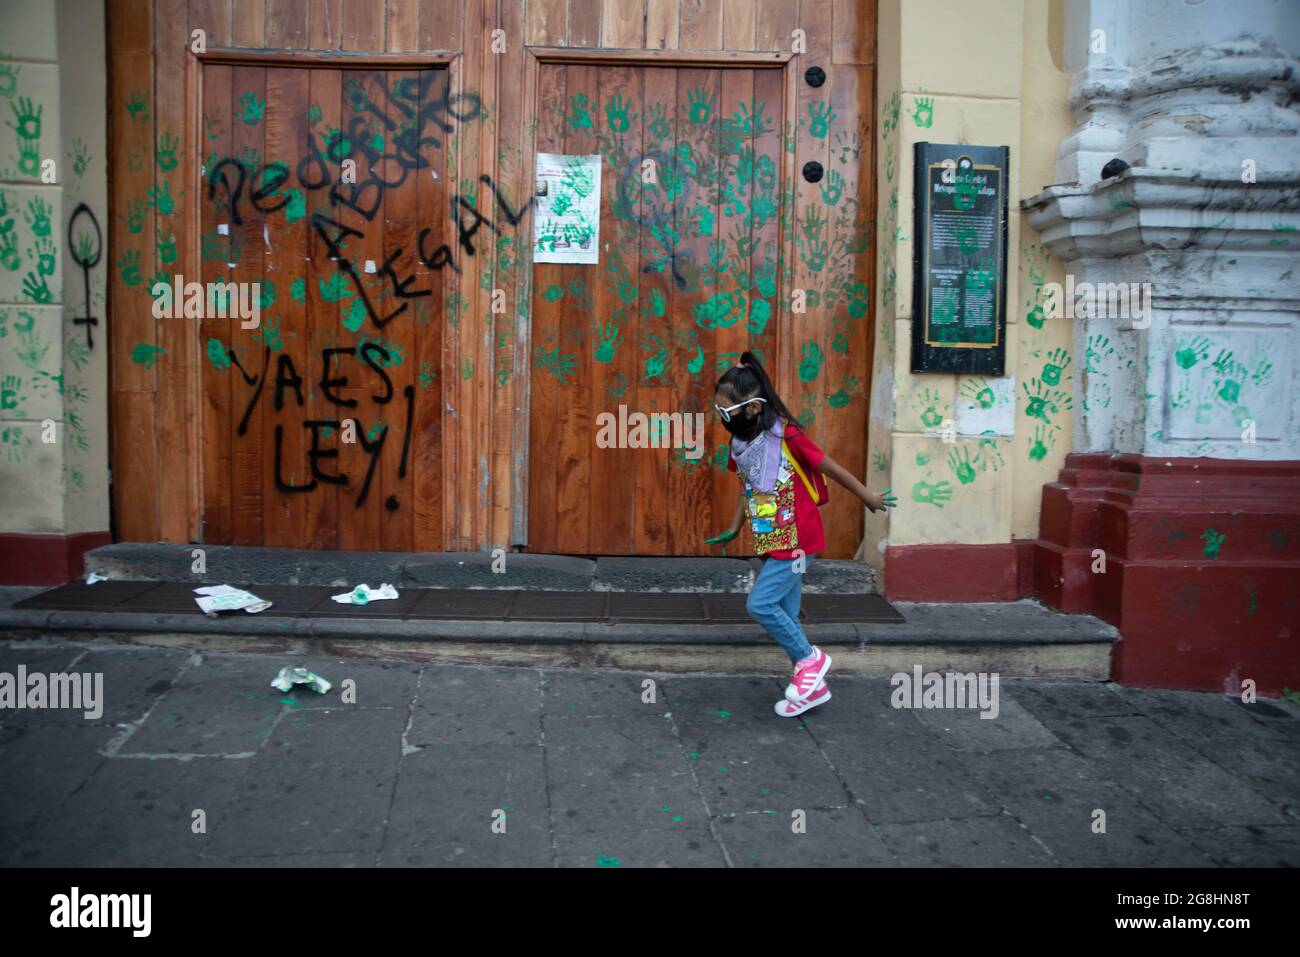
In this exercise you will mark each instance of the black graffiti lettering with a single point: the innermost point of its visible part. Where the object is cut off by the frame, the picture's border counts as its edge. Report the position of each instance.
(286, 375)
(373, 450)
(81, 256)
(280, 483)
(512, 217)
(358, 189)
(367, 349)
(399, 285)
(315, 453)
(327, 384)
(409, 393)
(320, 223)
(232, 195)
(257, 393)
(439, 257)
(346, 266)
(466, 234)
(279, 175)
(313, 157)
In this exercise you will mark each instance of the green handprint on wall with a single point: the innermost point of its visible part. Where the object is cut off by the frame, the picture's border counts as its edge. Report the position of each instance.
(696, 362)
(44, 254)
(658, 126)
(129, 264)
(979, 392)
(1058, 360)
(557, 364)
(760, 313)
(146, 355)
(930, 415)
(167, 249)
(9, 79)
(553, 293)
(218, 355)
(923, 115)
(959, 462)
(928, 494)
(335, 288)
(135, 216)
(137, 106)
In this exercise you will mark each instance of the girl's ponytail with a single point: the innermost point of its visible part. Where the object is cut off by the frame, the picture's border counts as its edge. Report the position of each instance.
(749, 379)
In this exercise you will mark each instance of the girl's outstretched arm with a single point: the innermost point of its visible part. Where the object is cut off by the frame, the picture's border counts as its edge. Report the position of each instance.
(842, 475)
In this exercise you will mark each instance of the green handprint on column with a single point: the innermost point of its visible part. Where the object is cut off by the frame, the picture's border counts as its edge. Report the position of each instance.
(1194, 352)
(811, 363)
(859, 299)
(923, 116)
(252, 107)
(1098, 349)
(166, 152)
(9, 79)
(35, 289)
(610, 337)
(1058, 360)
(849, 388)
(616, 113)
(9, 257)
(134, 216)
(821, 115)
(37, 215)
(43, 253)
(701, 105)
(959, 462)
(832, 188)
(935, 494)
(579, 113)
(760, 312)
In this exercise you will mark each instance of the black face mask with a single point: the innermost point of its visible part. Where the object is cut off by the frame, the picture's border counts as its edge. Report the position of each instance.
(744, 427)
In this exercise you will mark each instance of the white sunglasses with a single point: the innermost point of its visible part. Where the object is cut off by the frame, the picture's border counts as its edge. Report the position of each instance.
(726, 413)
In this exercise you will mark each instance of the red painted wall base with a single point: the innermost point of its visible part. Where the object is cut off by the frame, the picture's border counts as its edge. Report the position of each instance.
(45, 559)
(1196, 561)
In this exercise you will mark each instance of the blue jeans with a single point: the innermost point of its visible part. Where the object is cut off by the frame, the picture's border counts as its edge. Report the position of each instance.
(774, 604)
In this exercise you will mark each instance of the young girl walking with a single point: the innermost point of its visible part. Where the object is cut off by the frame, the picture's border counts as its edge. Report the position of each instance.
(781, 475)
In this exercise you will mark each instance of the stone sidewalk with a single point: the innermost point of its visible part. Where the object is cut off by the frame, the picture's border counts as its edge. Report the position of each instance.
(585, 773)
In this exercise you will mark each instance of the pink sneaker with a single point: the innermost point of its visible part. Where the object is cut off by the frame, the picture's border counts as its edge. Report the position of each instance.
(808, 676)
(789, 709)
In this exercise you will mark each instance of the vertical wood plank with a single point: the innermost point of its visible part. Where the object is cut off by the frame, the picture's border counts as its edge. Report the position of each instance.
(323, 319)
(403, 31)
(585, 23)
(661, 25)
(774, 21)
(543, 449)
(324, 24)
(432, 377)
(548, 22)
(214, 16)
(363, 26)
(854, 31)
(623, 25)
(738, 24)
(248, 23)
(218, 372)
(440, 25)
(286, 24)
(701, 24)
(248, 145)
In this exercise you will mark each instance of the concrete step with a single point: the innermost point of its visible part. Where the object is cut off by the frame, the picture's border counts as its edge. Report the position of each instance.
(1009, 638)
(246, 565)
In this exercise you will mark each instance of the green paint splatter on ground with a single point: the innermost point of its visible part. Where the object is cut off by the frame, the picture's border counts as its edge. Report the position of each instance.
(724, 714)
(608, 862)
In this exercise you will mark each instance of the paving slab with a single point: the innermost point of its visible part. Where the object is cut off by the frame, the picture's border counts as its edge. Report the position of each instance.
(997, 841)
(834, 837)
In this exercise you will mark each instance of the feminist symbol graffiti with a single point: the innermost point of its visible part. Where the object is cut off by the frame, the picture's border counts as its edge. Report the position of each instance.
(81, 247)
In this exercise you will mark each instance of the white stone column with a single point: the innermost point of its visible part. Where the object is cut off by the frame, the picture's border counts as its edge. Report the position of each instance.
(1200, 100)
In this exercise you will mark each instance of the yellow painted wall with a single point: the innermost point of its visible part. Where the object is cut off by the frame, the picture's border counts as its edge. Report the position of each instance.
(980, 73)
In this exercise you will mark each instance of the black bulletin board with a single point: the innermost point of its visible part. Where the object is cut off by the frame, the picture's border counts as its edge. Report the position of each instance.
(959, 289)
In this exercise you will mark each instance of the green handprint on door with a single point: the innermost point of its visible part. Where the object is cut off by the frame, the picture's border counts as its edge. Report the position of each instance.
(579, 115)
(811, 363)
(701, 105)
(616, 114)
(609, 337)
(821, 116)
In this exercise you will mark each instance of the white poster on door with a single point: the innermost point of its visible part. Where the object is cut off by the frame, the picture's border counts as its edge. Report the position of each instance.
(566, 209)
